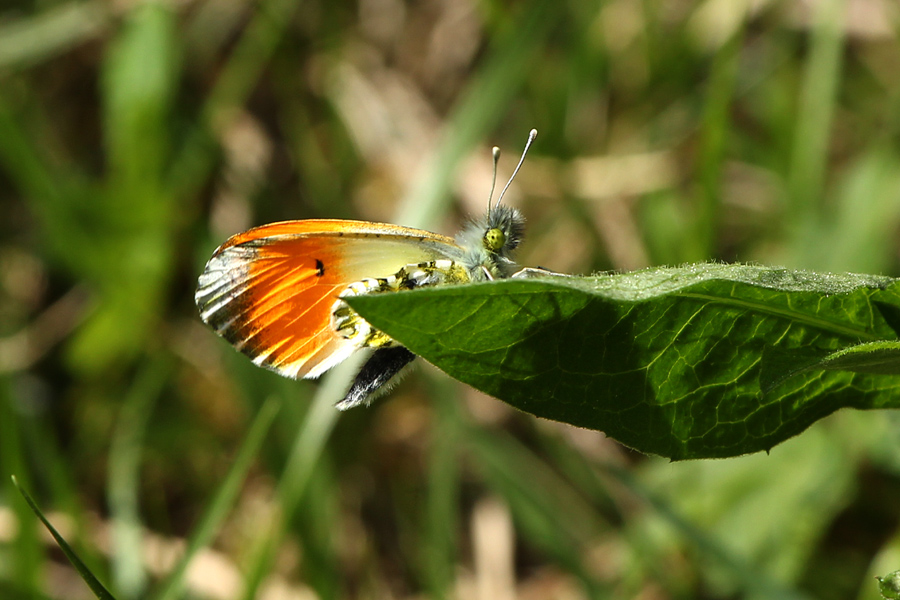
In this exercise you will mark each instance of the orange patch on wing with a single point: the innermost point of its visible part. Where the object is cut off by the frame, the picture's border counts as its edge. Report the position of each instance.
(289, 299)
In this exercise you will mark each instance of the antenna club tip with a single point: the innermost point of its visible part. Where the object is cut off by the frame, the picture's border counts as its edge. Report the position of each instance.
(495, 151)
(532, 134)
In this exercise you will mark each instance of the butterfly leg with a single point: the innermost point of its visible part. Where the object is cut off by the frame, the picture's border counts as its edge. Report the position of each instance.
(537, 272)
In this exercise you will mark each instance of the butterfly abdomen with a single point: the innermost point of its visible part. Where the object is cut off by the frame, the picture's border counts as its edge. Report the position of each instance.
(351, 326)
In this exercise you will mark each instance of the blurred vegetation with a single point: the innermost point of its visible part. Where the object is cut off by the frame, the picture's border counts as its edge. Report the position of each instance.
(136, 136)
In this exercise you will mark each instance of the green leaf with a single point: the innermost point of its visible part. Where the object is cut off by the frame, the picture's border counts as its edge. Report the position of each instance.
(700, 361)
(101, 592)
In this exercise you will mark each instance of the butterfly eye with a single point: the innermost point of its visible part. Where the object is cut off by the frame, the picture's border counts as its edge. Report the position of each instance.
(494, 239)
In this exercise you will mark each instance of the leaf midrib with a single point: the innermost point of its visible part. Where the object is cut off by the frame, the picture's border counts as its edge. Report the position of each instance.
(818, 323)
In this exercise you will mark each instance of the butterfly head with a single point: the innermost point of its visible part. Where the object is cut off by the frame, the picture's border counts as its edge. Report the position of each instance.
(490, 242)
(503, 230)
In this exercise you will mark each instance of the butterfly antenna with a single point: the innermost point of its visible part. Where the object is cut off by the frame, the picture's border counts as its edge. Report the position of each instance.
(496, 153)
(531, 135)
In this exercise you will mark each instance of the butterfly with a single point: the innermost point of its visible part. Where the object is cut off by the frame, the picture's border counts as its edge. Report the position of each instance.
(277, 292)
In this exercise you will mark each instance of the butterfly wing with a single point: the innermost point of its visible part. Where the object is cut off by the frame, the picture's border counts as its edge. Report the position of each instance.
(269, 291)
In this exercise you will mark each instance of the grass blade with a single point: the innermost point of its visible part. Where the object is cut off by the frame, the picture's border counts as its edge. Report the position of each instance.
(101, 592)
(124, 474)
(224, 498)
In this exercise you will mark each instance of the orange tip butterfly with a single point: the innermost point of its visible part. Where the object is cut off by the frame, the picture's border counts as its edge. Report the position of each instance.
(276, 292)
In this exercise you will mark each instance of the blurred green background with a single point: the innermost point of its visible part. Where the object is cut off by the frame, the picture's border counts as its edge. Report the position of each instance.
(137, 136)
